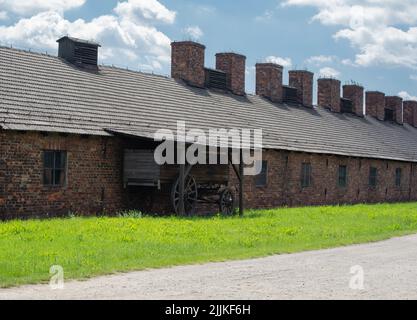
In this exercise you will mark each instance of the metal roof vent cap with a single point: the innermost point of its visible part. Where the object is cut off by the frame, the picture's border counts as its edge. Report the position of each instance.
(82, 53)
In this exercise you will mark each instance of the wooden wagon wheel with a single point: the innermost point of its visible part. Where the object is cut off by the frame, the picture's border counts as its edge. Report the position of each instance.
(190, 195)
(227, 202)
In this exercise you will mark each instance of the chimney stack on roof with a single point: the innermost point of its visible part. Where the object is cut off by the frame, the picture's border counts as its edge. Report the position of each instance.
(269, 81)
(329, 94)
(410, 112)
(234, 65)
(354, 93)
(82, 53)
(375, 104)
(302, 80)
(395, 104)
(187, 62)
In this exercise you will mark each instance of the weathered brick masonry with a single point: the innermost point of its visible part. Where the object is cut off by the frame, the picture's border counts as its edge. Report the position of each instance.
(94, 179)
(303, 81)
(93, 176)
(284, 181)
(375, 104)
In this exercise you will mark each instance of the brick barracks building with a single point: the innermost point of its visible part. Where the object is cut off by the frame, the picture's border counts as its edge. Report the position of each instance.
(78, 137)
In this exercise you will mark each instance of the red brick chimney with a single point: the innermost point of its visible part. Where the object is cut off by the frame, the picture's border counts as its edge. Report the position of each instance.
(235, 67)
(329, 94)
(303, 81)
(375, 104)
(354, 93)
(269, 81)
(410, 112)
(187, 62)
(395, 104)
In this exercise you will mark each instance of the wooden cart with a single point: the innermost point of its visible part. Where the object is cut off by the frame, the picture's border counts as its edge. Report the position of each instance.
(205, 184)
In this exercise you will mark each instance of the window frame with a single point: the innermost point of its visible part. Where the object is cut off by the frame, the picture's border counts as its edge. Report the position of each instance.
(373, 177)
(306, 175)
(343, 179)
(398, 177)
(53, 169)
(263, 175)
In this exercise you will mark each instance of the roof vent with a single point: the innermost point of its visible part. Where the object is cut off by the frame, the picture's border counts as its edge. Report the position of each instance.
(216, 79)
(346, 105)
(81, 53)
(389, 115)
(290, 94)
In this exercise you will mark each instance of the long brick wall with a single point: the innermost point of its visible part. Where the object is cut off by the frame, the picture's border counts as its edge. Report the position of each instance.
(94, 179)
(284, 181)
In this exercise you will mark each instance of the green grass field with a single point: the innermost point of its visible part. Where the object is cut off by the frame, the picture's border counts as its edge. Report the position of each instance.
(87, 247)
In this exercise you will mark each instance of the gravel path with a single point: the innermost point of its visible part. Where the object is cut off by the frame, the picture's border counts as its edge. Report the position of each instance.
(390, 272)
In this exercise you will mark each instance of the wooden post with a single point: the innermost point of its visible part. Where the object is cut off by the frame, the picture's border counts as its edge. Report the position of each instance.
(181, 187)
(241, 184)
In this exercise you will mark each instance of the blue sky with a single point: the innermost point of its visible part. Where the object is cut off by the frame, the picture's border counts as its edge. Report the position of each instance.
(370, 42)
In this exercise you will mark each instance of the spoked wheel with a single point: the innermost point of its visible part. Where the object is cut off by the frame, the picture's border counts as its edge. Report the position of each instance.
(227, 202)
(190, 195)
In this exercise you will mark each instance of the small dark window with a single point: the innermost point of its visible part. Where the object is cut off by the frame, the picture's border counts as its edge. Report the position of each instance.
(54, 168)
(261, 179)
(398, 176)
(306, 175)
(342, 176)
(373, 173)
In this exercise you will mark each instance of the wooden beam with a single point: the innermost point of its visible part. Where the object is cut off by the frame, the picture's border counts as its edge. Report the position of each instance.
(188, 170)
(236, 170)
(241, 185)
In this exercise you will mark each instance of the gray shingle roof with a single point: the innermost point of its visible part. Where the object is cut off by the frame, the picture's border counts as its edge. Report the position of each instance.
(44, 93)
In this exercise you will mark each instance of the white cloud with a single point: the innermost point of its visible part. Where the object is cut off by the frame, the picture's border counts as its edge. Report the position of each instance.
(194, 32)
(406, 96)
(321, 59)
(329, 72)
(128, 36)
(140, 10)
(413, 77)
(285, 62)
(348, 62)
(372, 28)
(30, 7)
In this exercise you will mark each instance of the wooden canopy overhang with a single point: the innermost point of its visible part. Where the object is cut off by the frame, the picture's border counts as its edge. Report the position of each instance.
(185, 167)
